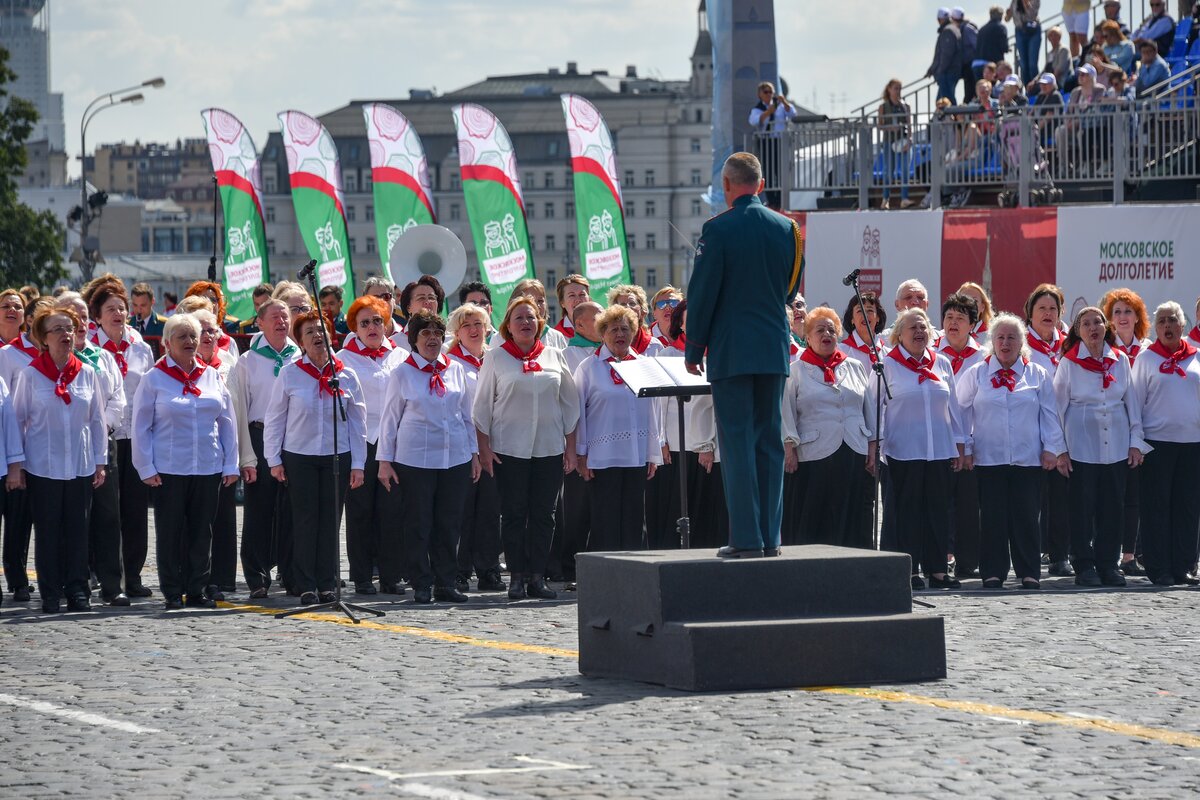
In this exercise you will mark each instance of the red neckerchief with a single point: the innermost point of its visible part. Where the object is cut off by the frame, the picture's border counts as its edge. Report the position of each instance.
(225, 341)
(980, 327)
(30, 351)
(922, 367)
(793, 348)
(323, 376)
(117, 349)
(434, 368)
(1131, 351)
(1004, 377)
(958, 358)
(852, 341)
(641, 341)
(1092, 365)
(61, 378)
(375, 353)
(188, 380)
(565, 328)
(528, 360)
(1171, 360)
(1193, 334)
(458, 352)
(213, 362)
(827, 365)
(1050, 351)
(680, 343)
(616, 379)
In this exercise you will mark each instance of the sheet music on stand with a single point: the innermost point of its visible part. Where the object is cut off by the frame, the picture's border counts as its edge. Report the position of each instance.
(667, 377)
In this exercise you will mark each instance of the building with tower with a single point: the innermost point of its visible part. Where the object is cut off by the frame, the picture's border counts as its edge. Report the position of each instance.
(25, 34)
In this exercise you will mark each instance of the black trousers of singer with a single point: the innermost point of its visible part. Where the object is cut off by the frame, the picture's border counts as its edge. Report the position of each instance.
(964, 530)
(104, 529)
(528, 490)
(433, 512)
(1008, 511)
(224, 540)
(60, 510)
(576, 510)
(479, 536)
(317, 522)
(1056, 516)
(374, 527)
(795, 490)
(135, 514)
(1097, 493)
(922, 496)
(18, 523)
(834, 491)
(662, 504)
(1133, 514)
(708, 513)
(1170, 507)
(184, 507)
(266, 518)
(618, 509)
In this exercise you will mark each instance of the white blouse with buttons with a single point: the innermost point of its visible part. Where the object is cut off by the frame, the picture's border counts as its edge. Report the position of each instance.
(526, 414)
(300, 417)
(10, 431)
(922, 421)
(818, 416)
(250, 385)
(616, 427)
(1170, 402)
(419, 427)
(1100, 425)
(373, 375)
(179, 433)
(1006, 427)
(140, 359)
(61, 441)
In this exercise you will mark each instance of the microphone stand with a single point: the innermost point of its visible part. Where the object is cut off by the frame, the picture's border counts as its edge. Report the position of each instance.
(881, 387)
(339, 410)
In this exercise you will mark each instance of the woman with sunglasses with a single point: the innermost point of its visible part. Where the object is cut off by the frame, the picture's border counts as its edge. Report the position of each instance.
(663, 303)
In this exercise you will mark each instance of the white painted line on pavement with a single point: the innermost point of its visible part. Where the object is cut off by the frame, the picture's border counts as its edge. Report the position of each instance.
(85, 717)
(539, 765)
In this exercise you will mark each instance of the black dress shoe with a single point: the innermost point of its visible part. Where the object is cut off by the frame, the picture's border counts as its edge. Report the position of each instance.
(516, 588)
(174, 603)
(1132, 568)
(365, 588)
(449, 595)
(259, 593)
(308, 599)
(917, 583)
(1112, 577)
(138, 590)
(119, 599)
(1187, 580)
(993, 583)
(1061, 569)
(771, 552)
(200, 602)
(462, 582)
(1088, 577)
(50, 606)
(537, 588)
(491, 582)
(327, 597)
(391, 588)
(79, 602)
(729, 551)
(21, 595)
(423, 595)
(947, 582)
(1163, 580)
(227, 589)
(1031, 584)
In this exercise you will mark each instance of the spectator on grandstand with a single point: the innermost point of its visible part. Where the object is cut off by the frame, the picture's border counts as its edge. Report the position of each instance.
(946, 67)
(1105, 68)
(1117, 47)
(1075, 134)
(1112, 10)
(1003, 70)
(989, 73)
(1010, 94)
(1195, 31)
(1058, 62)
(894, 119)
(970, 38)
(1153, 68)
(1077, 19)
(1048, 101)
(1121, 91)
(992, 44)
(1024, 16)
(1159, 27)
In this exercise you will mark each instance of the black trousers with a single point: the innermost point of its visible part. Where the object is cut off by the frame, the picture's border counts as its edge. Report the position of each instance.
(964, 533)
(373, 521)
(18, 523)
(135, 514)
(1170, 507)
(795, 490)
(317, 522)
(831, 507)
(224, 539)
(576, 510)
(104, 529)
(1008, 510)
(888, 538)
(708, 514)
(1097, 493)
(1056, 516)
(528, 490)
(60, 510)
(479, 536)
(1133, 502)
(662, 504)
(922, 493)
(184, 507)
(266, 518)
(433, 512)
(618, 509)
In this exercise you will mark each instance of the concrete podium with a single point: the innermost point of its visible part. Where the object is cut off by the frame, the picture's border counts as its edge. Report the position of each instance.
(814, 616)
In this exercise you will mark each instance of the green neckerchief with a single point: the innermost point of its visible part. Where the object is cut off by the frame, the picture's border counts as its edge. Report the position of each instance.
(579, 340)
(798, 340)
(90, 354)
(266, 351)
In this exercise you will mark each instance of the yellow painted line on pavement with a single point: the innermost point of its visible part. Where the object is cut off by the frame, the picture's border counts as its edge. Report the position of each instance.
(1048, 717)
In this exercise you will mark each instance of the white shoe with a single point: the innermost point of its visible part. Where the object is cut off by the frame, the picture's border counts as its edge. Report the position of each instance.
(885, 204)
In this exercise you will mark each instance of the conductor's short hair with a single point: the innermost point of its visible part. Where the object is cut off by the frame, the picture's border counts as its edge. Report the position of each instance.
(743, 169)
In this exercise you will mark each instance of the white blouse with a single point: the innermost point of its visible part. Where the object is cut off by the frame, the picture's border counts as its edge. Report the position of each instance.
(551, 338)
(1006, 427)
(112, 386)
(577, 354)
(922, 421)
(1048, 363)
(373, 377)
(300, 417)
(139, 358)
(471, 371)
(1170, 402)
(13, 359)
(851, 344)
(10, 431)
(1133, 349)
(178, 433)
(616, 427)
(1100, 425)
(62, 441)
(250, 385)
(943, 347)
(418, 427)
(818, 416)
(526, 414)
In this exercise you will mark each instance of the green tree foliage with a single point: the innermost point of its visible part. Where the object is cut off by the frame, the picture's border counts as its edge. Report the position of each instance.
(30, 242)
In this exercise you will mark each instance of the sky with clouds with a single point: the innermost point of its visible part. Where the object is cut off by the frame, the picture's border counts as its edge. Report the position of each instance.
(258, 57)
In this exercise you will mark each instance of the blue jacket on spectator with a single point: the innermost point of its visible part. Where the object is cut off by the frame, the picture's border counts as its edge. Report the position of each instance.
(947, 54)
(1159, 28)
(1150, 74)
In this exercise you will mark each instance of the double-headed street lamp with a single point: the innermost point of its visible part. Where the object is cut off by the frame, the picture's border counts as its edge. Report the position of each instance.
(89, 250)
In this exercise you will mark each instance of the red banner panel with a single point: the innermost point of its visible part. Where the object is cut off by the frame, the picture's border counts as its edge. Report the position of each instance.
(1008, 251)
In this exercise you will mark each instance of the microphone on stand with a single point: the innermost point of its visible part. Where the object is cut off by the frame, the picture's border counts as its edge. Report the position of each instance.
(851, 278)
(306, 270)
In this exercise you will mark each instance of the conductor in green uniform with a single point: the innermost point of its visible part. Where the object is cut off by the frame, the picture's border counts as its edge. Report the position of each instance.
(748, 265)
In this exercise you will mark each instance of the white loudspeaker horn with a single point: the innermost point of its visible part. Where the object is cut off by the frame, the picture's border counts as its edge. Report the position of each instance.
(429, 250)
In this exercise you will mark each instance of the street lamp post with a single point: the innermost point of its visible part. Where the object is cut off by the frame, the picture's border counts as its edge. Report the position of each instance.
(107, 100)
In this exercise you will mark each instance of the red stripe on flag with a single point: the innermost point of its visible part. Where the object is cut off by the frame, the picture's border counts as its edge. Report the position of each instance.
(226, 177)
(306, 180)
(1017, 246)
(482, 172)
(393, 175)
(592, 167)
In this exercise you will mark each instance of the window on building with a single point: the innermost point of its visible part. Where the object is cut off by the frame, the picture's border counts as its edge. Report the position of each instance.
(353, 245)
(651, 209)
(269, 184)
(199, 240)
(529, 209)
(696, 177)
(145, 240)
(697, 207)
(454, 181)
(695, 145)
(629, 209)
(651, 278)
(569, 209)
(549, 209)
(548, 180)
(551, 279)
(351, 177)
(370, 214)
(550, 243)
(649, 177)
(271, 247)
(628, 180)
(350, 213)
(455, 212)
(651, 242)
(699, 115)
(366, 180)
(527, 180)
(570, 180)
(570, 243)
(370, 244)
(630, 241)
(269, 213)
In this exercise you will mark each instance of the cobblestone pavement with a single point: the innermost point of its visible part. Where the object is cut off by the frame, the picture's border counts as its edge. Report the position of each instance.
(1061, 693)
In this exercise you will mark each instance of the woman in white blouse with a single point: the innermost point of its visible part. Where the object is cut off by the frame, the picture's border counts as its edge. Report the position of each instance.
(58, 409)
(534, 290)
(619, 441)
(427, 447)
(1013, 431)
(16, 351)
(1166, 380)
(633, 297)
(479, 536)
(923, 441)
(981, 331)
(184, 448)
(372, 538)
(526, 409)
(1102, 422)
(826, 426)
(298, 446)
